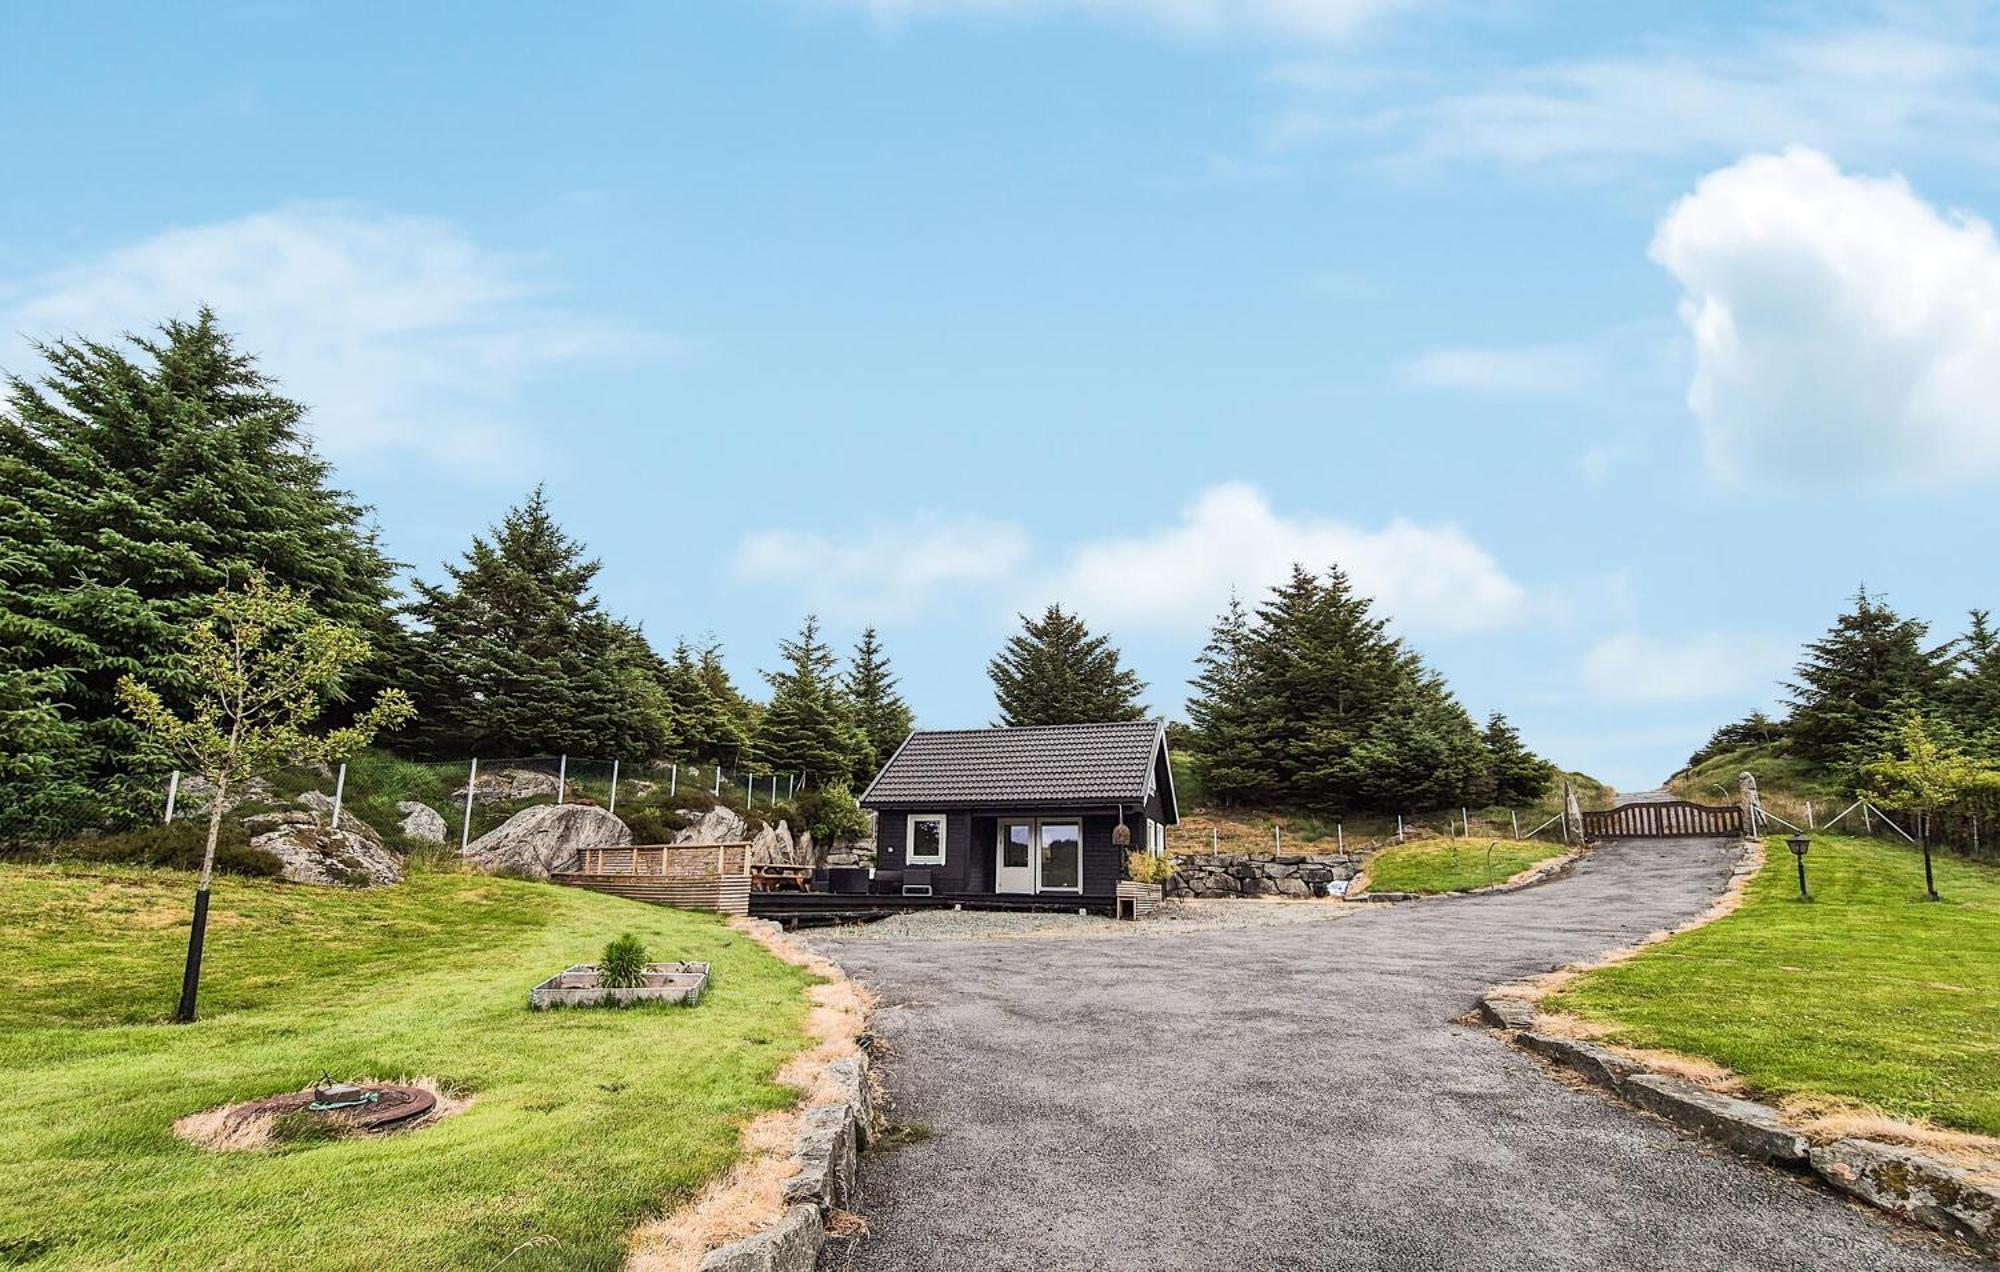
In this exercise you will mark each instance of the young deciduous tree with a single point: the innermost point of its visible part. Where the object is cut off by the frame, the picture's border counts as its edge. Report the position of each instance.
(881, 713)
(258, 671)
(1926, 778)
(1054, 671)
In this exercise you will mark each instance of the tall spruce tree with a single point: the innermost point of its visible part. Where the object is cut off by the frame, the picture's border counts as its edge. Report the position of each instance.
(705, 727)
(513, 655)
(1856, 683)
(1312, 703)
(1519, 776)
(745, 711)
(808, 726)
(1054, 671)
(1223, 711)
(1973, 694)
(136, 480)
(881, 713)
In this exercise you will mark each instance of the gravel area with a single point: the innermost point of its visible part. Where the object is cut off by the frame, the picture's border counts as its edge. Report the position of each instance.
(1172, 918)
(1294, 1096)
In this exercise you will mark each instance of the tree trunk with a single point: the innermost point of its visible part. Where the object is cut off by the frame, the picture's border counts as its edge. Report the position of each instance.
(191, 973)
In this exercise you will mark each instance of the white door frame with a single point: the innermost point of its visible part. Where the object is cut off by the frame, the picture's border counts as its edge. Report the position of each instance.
(1018, 880)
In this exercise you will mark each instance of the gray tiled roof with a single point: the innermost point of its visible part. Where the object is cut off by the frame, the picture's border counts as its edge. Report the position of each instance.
(1057, 763)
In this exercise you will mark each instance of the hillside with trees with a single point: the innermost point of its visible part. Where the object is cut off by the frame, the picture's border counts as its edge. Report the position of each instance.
(1876, 693)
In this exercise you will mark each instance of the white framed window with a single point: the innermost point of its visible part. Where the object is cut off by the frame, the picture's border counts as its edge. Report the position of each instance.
(1156, 837)
(924, 844)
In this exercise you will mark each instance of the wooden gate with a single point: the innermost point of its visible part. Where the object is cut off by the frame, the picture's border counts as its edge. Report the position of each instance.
(1670, 819)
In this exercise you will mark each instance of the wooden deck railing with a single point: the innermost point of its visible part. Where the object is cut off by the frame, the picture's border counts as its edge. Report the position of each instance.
(667, 861)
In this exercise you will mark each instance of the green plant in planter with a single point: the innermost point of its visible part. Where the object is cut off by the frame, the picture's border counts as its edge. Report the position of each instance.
(623, 964)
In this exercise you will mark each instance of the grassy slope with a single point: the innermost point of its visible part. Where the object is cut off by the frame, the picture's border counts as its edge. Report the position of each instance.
(1780, 775)
(1869, 993)
(583, 1122)
(1454, 865)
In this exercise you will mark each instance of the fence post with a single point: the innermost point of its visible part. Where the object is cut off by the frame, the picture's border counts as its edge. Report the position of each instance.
(673, 780)
(1277, 837)
(1214, 840)
(1810, 824)
(1340, 837)
(1465, 821)
(774, 788)
(613, 806)
(471, 783)
(717, 792)
(562, 778)
(1516, 818)
(173, 793)
(339, 793)
(1399, 828)
(749, 792)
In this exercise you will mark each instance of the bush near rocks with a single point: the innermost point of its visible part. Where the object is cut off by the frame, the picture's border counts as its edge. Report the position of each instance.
(177, 847)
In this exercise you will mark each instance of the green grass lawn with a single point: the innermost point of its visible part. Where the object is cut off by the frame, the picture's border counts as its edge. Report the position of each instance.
(583, 1123)
(1869, 993)
(1454, 865)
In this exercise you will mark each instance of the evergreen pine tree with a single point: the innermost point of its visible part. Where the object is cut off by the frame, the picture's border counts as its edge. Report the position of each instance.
(707, 730)
(1858, 681)
(515, 656)
(1519, 776)
(1054, 671)
(1973, 695)
(883, 716)
(136, 480)
(1224, 712)
(808, 726)
(741, 709)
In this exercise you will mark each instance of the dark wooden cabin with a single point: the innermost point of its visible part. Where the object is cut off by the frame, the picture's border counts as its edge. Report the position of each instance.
(1027, 813)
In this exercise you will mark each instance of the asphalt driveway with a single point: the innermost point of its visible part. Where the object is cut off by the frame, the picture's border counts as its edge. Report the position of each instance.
(1297, 1097)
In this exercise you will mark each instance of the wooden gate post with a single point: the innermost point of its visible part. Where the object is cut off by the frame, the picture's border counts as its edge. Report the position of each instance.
(1747, 791)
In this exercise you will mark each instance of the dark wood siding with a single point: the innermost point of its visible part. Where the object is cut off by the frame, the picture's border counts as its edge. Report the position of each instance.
(970, 840)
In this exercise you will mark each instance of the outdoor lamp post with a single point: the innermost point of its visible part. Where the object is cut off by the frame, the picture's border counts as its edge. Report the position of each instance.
(1798, 844)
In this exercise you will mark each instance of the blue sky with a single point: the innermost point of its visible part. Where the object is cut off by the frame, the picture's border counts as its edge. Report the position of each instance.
(1610, 345)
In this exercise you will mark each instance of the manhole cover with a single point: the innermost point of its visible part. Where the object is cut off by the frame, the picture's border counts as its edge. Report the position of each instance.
(357, 1108)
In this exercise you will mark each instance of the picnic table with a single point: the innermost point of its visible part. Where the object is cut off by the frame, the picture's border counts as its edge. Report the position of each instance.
(781, 878)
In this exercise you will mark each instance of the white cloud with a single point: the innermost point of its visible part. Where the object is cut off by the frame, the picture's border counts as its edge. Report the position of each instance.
(1843, 328)
(1633, 667)
(400, 333)
(1528, 371)
(1310, 19)
(887, 573)
(1880, 90)
(1430, 579)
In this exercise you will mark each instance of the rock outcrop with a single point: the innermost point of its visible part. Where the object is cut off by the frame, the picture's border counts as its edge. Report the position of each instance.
(321, 804)
(311, 853)
(502, 785)
(421, 822)
(537, 840)
(719, 825)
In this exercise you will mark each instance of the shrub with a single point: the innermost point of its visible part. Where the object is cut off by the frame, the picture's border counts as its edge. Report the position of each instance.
(1144, 867)
(830, 813)
(177, 847)
(623, 964)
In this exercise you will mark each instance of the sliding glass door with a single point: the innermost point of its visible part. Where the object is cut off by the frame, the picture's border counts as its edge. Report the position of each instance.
(1038, 856)
(1062, 855)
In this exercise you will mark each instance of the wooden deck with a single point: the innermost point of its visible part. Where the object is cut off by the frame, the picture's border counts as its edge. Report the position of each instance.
(816, 908)
(714, 877)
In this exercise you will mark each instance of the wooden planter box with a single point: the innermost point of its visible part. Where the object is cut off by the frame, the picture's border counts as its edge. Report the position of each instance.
(1137, 900)
(578, 987)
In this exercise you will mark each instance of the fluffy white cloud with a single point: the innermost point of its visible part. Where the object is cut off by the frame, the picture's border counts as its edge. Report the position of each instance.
(1529, 371)
(889, 572)
(399, 332)
(1431, 579)
(1878, 90)
(1843, 328)
(1633, 667)
(1313, 19)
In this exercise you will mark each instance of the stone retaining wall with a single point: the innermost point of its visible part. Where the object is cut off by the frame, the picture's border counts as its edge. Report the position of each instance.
(1260, 875)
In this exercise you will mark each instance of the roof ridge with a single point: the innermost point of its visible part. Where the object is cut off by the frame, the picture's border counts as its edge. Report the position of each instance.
(1148, 723)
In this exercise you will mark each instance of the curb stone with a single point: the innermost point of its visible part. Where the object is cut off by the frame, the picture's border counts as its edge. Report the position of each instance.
(1920, 1188)
(1503, 1011)
(1606, 1068)
(828, 1179)
(1752, 1129)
